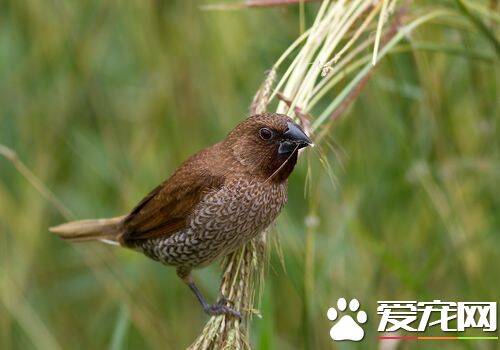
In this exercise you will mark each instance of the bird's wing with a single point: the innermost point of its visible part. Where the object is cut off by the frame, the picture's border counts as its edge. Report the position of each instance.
(165, 210)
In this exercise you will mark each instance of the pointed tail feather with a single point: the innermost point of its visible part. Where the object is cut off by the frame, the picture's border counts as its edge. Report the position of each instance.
(106, 230)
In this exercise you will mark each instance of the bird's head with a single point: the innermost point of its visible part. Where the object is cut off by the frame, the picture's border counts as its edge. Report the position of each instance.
(267, 145)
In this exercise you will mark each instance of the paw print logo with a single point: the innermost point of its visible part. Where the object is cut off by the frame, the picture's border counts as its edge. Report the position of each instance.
(345, 327)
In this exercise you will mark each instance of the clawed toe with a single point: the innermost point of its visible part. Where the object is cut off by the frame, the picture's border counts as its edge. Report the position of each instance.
(221, 309)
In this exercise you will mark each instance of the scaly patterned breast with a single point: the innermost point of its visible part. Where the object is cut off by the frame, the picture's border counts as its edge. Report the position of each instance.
(221, 222)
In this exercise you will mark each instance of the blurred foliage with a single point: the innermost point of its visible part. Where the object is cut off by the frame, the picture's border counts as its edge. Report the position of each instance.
(103, 99)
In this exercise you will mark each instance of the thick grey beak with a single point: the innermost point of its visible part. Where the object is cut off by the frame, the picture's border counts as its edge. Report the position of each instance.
(294, 138)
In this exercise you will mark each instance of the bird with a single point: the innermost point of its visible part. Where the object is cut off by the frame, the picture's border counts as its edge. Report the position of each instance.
(216, 201)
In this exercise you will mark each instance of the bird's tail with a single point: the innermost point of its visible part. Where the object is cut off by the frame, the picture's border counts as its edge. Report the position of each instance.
(106, 230)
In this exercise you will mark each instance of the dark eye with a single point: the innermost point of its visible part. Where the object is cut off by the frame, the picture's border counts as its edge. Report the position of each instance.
(265, 133)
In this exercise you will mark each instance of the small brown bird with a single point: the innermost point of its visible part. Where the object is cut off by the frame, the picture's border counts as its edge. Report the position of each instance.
(216, 201)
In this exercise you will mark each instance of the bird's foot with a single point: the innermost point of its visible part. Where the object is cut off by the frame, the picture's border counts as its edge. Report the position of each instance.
(221, 308)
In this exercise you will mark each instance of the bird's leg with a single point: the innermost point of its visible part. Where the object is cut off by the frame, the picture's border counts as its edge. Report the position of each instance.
(219, 308)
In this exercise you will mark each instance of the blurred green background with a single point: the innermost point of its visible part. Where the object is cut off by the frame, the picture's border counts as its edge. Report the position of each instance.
(103, 99)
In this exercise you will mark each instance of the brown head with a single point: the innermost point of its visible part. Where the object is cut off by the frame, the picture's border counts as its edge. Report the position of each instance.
(267, 145)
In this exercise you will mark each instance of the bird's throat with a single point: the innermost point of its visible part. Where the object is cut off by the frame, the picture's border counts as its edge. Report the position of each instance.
(281, 169)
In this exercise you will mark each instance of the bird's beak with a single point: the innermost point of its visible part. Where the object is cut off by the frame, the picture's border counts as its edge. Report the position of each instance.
(294, 138)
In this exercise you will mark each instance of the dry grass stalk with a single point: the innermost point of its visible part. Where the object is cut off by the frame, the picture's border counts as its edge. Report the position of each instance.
(12, 157)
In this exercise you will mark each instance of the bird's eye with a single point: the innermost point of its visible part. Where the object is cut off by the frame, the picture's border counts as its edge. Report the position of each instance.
(265, 133)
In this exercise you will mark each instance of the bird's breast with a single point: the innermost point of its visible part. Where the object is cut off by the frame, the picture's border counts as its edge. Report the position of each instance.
(237, 212)
(239, 208)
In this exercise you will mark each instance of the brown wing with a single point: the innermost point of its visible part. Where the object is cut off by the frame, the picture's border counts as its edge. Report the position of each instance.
(165, 210)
